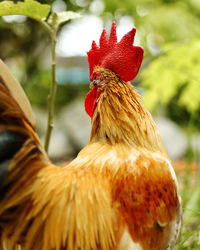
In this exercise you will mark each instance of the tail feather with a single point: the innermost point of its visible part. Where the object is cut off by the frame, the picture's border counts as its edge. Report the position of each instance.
(16, 91)
(10, 143)
(10, 111)
(15, 130)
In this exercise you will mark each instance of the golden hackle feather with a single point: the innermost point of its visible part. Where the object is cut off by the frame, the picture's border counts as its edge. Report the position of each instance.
(144, 184)
(121, 116)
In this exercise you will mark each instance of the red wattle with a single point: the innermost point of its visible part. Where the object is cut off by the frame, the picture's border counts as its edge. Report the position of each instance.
(91, 101)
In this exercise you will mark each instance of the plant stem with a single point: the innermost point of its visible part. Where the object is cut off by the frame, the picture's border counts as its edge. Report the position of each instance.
(51, 97)
(52, 30)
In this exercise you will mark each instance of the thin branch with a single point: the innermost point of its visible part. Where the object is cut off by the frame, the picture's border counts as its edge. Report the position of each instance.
(51, 97)
(52, 30)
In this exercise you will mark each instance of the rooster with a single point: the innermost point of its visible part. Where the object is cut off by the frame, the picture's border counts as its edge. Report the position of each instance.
(120, 192)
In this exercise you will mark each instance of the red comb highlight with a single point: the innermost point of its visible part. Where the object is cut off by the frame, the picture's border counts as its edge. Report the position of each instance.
(122, 57)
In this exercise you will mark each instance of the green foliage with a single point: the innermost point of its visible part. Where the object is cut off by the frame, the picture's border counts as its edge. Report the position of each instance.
(29, 8)
(190, 194)
(176, 70)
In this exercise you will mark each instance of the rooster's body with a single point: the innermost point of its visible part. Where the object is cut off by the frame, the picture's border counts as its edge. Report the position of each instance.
(119, 193)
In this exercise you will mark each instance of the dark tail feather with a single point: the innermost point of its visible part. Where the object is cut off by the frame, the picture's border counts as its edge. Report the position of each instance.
(10, 144)
(15, 129)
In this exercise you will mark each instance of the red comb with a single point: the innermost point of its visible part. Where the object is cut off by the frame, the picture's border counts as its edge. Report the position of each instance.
(122, 57)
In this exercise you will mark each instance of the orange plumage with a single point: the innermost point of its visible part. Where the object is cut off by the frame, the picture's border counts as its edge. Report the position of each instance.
(119, 193)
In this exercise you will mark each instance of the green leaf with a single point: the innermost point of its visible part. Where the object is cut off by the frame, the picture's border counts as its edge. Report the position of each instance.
(58, 18)
(167, 74)
(190, 96)
(193, 204)
(29, 8)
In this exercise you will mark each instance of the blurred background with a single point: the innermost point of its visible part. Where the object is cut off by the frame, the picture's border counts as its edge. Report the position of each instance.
(169, 79)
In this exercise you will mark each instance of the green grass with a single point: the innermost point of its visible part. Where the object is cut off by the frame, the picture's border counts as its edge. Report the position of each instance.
(190, 193)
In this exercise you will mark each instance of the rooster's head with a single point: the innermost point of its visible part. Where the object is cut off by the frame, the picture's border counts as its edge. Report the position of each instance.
(111, 59)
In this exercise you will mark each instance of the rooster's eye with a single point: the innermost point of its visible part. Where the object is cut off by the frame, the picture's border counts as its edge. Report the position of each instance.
(95, 77)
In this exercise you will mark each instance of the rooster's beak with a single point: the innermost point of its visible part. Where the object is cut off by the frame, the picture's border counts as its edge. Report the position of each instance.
(91, 85)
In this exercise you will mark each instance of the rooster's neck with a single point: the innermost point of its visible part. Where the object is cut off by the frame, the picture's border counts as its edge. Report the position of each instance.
(120, 117)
